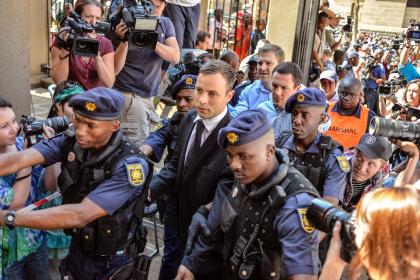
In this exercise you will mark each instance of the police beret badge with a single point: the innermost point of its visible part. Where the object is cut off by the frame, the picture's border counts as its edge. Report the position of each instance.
(90, 106)
(188, 81)
(232, 137)
(300, 97)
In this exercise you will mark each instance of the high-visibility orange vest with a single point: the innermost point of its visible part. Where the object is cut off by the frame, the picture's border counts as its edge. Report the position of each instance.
(347, 130)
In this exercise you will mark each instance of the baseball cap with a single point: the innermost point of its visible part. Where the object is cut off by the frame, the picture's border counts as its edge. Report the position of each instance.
(374, 147)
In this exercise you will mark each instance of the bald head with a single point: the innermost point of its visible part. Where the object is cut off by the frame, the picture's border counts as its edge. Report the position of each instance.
(352, 83)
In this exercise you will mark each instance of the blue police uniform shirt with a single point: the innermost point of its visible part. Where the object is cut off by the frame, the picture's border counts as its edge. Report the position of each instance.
(251, 97)
(159, 140)
(335, 177)
(112, 193)
(300, 249)
(141, 72)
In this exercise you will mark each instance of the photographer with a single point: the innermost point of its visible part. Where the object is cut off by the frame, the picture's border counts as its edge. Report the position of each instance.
(387, 223)
(90, 72)
(373, 76)
(405, 67)
(408, 171)
(139, 72)
(368, 168)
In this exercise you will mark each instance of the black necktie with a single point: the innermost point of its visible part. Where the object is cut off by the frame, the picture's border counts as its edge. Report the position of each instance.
(195, 146)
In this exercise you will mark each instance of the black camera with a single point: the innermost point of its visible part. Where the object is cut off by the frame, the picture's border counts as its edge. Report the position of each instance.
(402, 130)
(33, 129)
(348, 26)
(392, 86)
(140, 22)
(324, 215)
(342, 68)
(413, 31)
(77, 40)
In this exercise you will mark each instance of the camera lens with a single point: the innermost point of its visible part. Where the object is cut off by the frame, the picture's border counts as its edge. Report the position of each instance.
(394, 129)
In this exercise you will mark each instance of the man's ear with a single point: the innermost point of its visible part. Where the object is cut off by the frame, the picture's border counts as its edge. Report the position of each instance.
(115, 125)
(229, 95)
(270, 151)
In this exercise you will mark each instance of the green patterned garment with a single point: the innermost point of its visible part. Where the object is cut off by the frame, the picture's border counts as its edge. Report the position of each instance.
(19, 242)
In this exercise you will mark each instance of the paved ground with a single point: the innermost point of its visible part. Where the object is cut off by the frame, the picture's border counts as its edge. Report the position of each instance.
(40, 106)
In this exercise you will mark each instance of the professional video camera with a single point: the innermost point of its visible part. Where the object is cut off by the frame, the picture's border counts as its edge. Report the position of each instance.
(323, 216)
(77, 40)
(137, 15)
(392, 86)
(413, 31)
(33, 129)
(348, 26)
(396, 129)
(396, 43)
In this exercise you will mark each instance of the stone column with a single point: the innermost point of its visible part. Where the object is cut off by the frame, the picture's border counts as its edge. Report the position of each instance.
(14, 54)
(281, 26)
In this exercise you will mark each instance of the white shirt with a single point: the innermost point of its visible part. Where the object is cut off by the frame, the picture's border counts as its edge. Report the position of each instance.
(209, 126)
(184, 3)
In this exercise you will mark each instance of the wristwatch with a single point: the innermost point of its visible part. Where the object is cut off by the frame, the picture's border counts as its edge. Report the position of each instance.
(10, 219)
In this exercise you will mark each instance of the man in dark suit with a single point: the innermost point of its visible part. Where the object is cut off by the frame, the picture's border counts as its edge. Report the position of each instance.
(198, 162)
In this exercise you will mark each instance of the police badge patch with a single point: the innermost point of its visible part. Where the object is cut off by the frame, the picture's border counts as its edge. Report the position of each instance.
(304, 222)
(343, 163)
(135, 174)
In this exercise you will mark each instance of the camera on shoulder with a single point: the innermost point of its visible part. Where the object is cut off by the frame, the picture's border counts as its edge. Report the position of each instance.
(77, 41)
(138, 16)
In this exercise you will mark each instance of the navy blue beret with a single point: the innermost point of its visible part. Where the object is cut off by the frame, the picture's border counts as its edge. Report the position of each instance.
(306, 97)
(98, 103)
(246, 127)
(186, 82)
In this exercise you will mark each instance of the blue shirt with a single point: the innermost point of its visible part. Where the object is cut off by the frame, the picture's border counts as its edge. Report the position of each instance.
(335, 177)
(409, 71)
(378, 72)
(251, 97)
(280, 120)
(112, 193)
(141, 71)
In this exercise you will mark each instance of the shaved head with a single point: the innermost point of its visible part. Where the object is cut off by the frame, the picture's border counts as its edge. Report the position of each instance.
(352, 83)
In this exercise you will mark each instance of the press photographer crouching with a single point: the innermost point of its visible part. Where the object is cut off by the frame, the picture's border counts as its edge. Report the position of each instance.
(78, 53)
(384, 229)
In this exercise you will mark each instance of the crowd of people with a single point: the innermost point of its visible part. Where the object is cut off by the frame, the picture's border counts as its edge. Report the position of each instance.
(247, 151)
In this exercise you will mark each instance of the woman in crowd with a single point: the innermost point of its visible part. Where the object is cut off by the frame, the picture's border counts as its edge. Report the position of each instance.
(410, 97)
(412, 94)
(23, 251)
(90, 72)
(387, 234)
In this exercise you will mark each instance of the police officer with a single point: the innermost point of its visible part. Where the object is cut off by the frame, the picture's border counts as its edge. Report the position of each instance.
(316, 156)
(103, 180)
(264, 230)
(167, 135)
